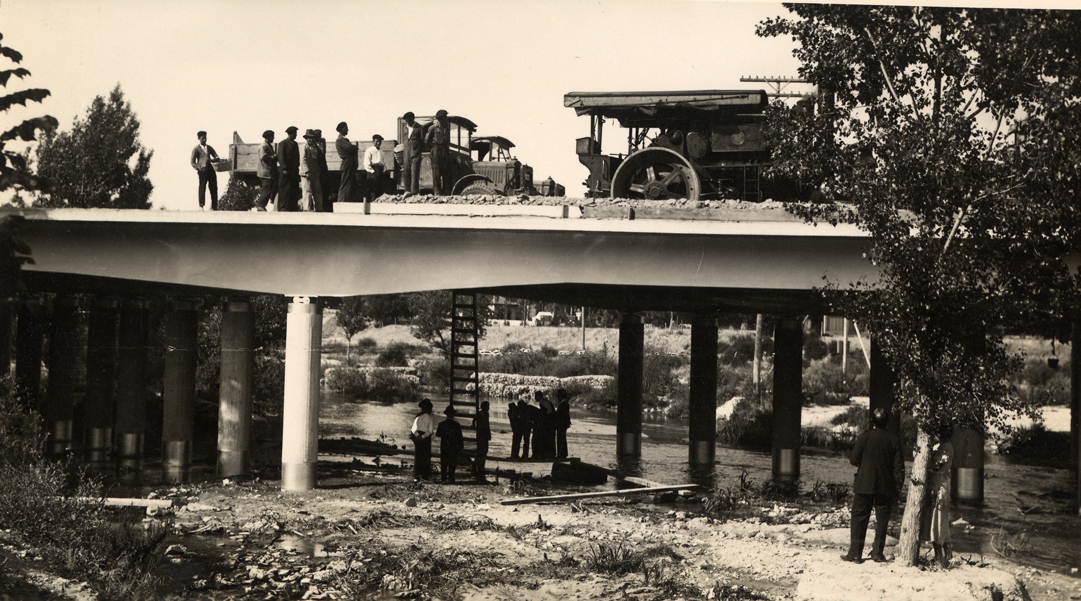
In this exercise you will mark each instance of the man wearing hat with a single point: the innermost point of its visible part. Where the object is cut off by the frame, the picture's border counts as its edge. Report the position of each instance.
(289, 171)
(267, 170)
(203, 158)
(414, 146)
(451, 443)
(374, 165)
(439, 140)
(312, 161)
(325, 206)
(421, 434)
(347, 191)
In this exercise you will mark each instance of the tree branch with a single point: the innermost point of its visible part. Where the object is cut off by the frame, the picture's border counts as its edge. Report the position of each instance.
(886, 77)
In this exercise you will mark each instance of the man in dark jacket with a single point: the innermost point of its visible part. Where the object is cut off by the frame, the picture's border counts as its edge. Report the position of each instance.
(267, 171)
(438, 138)
(880, 474)
(347, 151)
(451, 443)
(484, 434)
(414, 146)
(288, 171)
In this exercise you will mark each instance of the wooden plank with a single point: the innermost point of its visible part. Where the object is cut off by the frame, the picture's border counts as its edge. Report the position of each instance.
(592, 495)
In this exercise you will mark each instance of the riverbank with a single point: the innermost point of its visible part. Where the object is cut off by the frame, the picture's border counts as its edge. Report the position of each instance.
(366, 534)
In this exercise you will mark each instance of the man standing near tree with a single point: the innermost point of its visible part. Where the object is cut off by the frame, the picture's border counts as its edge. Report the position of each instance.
(203, 158)
(880, 473)
(267, 170)
(289, 171)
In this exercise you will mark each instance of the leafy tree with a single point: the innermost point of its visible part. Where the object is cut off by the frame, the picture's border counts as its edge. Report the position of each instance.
(917, 135)
(352, 317)
(388, 308)
(15, 171)
(238, 196)
(100, 163)
(432, 316)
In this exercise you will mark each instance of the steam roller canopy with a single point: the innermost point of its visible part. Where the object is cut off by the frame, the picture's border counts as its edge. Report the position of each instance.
(655, 174)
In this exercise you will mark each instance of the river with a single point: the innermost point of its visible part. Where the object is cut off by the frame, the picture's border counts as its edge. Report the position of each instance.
(1030, 507)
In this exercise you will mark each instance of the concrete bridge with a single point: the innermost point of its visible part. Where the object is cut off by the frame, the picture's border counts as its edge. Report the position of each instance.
(753, 261)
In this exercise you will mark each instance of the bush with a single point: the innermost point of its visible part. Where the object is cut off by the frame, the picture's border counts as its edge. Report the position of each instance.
(435, 373)
(824, 384)
(395, 355)
(1042, 385)
(814, 348)
(366, 345)
(749, 427)
(740, 349)
(381, 385)
(1034, 442)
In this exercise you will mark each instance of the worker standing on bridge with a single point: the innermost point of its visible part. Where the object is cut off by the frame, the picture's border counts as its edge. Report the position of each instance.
(439, 141)
(203, 158)
(414, 146)
(324, 186)
(289, 171)
(315, 174)
(374, 166)
(347, 191)
(267, 170)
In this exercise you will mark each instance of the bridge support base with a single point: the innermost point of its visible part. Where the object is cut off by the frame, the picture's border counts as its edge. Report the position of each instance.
(300, 428)
(787, 397)
(234, 401)
(60, 399)
(178, 417)
(100, 402)
(703, 392)
(629, 387)
(967, 477)
(131, 390)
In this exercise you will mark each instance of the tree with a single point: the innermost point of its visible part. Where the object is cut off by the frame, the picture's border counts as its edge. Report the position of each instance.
(238, 196)
(100, 163)
(916, 143)
(352, 317)
(432, 316)
(15, 171)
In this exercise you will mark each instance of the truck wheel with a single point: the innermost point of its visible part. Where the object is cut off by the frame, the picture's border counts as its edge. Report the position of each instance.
(480, 188)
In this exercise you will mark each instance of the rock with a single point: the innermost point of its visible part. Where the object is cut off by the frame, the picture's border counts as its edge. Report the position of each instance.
(176, 550)
(411, 502)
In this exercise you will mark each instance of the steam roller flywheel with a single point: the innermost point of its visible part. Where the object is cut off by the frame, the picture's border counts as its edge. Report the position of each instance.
(655, 174)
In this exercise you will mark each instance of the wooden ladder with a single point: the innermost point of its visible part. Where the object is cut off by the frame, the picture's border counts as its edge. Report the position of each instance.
(465, 365)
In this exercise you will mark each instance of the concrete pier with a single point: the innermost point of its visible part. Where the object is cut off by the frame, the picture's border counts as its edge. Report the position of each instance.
(703, 392)
(60, 397)
(629, 386)
(300, 428)
(100, 402)
(787, 397)
(881, 387)
(234, 401)
(29, 330)
(131, 389)
(6, 323)
(967, 476)
(178, 394)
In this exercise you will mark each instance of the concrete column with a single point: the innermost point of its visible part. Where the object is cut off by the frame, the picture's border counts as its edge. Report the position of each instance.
(629, 387)
(300, 428)
(6, 322)
(234, 404)
(178, 395)
(881, 387)
(787, 397)
(1075, 402)
(60, 398)
(967, 476)
(703, 392)
(29, 331)
(131, 389)
(100, 403)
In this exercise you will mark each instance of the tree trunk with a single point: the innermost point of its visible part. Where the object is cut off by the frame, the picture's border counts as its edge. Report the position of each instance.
(908, 549)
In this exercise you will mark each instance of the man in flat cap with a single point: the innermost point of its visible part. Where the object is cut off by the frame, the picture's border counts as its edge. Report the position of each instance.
(439, 140)
(414, 146)
(267, 170)
(203, 158)
(327, 205)
(312, 161)
(347, 191)
(374, 166)
(289, 171)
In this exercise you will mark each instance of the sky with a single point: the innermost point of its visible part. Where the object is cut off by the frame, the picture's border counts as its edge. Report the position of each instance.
(246, 66)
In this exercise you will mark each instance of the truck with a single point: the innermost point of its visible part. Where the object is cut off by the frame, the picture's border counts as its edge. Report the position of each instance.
(480, 165)
(699, 144)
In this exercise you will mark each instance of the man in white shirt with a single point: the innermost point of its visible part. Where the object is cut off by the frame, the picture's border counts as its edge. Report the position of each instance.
(374, 165)
(421, 434)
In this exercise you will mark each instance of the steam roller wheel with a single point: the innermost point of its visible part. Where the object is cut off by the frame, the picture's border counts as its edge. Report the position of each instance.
(480, 188)
(655, 174)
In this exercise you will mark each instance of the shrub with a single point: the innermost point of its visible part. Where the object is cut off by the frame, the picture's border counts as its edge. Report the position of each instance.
(346, 380)
(814, 348)
(395, 355)
(1041, 385)
(549, 352)
(435, 373)
(749, 427)
(1034, 442)
(366, 345)
(388, 387)
(824, 383)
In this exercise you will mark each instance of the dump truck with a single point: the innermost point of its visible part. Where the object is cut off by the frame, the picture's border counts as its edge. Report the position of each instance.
(503, 173)
(701, 144)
